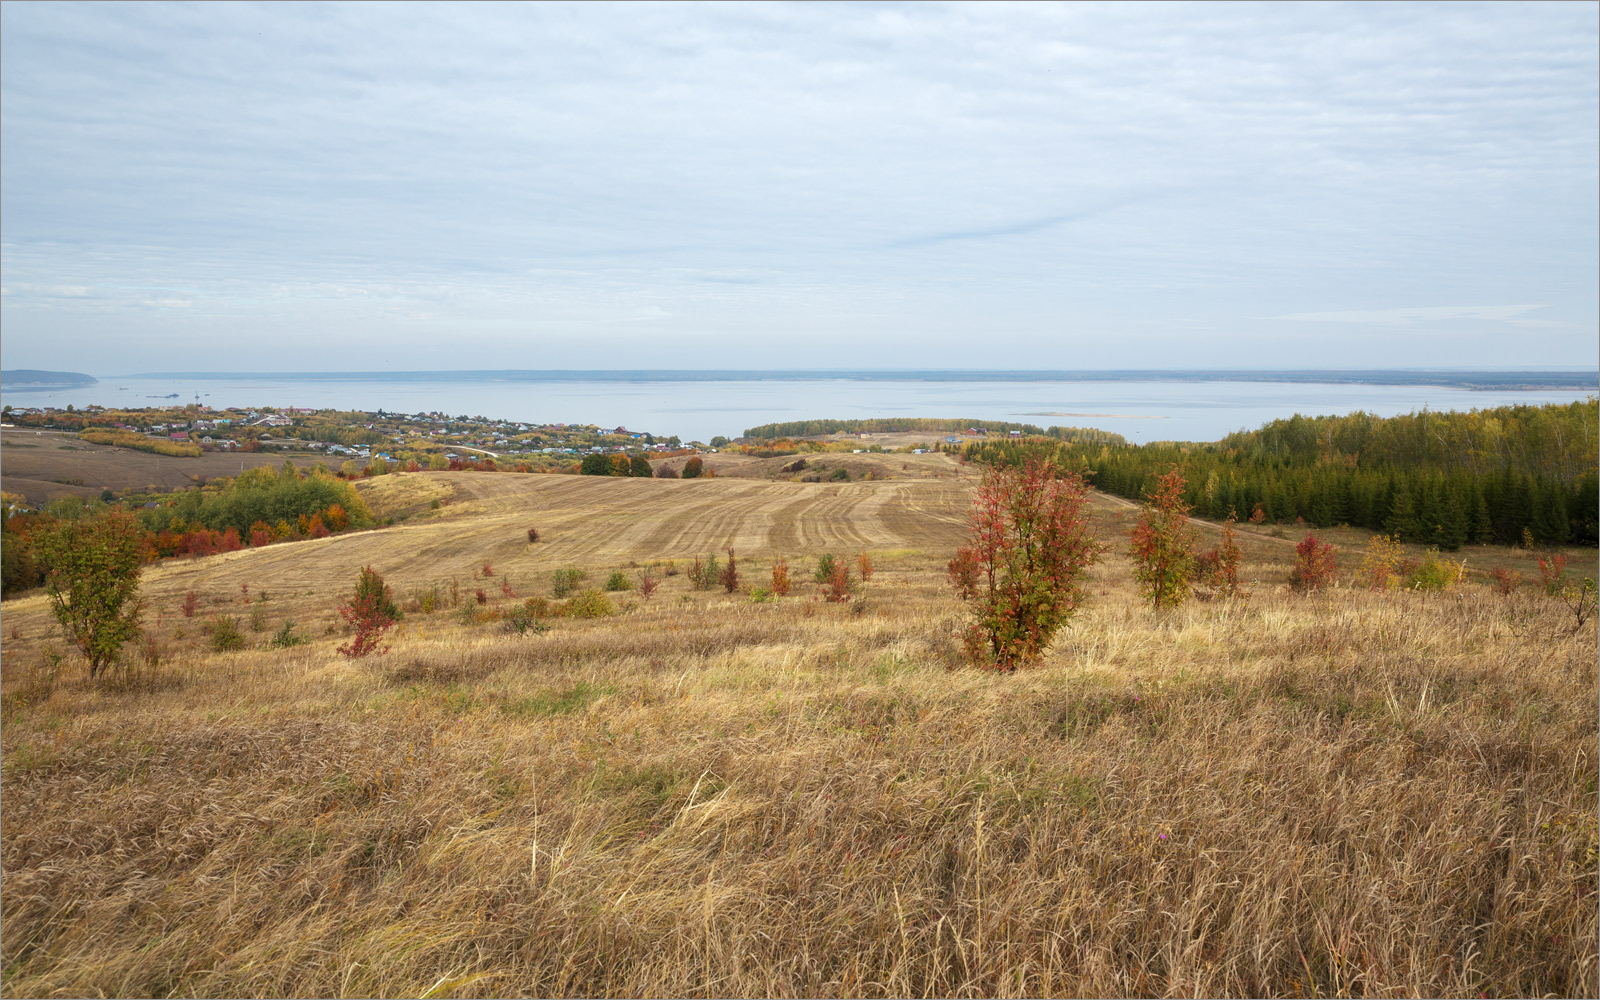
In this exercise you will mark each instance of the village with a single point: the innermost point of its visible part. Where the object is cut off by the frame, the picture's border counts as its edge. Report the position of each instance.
(429, 438)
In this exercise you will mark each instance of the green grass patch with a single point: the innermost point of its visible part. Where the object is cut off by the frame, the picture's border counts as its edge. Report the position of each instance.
(564, 701)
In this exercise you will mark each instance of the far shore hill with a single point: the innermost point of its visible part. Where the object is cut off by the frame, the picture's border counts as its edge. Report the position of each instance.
(1470, 379)
(34, 378)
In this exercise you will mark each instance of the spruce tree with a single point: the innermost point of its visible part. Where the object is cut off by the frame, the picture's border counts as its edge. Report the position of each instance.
(1549, 521)
(1482, 527)
(1402, 519)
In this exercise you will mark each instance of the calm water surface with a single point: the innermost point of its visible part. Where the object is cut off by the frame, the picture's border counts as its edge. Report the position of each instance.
(1140, 411)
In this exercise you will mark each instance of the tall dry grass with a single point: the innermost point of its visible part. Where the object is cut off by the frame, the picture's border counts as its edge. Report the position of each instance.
(1351, 793)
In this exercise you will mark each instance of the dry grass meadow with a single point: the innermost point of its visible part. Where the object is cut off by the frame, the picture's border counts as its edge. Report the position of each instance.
(1342, 794)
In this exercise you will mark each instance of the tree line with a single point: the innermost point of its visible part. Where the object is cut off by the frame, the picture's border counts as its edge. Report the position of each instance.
(885, 425)
(1442, 479)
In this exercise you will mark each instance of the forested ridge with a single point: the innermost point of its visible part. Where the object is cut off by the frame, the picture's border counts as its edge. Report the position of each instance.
(1434, 478)
(887, 425)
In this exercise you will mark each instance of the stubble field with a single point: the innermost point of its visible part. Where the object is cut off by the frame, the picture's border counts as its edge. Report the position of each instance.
(1343, 794)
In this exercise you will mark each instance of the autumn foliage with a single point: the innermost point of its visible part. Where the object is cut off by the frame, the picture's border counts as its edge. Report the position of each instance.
(963, 572)
(370, 612)
(1031, 546)
(1313, 564)
(1164, 544)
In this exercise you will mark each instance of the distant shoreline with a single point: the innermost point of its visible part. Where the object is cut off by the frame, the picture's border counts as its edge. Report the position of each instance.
(1521, 379)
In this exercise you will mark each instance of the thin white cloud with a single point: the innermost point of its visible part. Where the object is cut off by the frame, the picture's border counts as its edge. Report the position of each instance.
(1424, 314)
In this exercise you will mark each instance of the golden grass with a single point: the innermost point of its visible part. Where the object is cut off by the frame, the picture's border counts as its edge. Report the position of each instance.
(1345, 794)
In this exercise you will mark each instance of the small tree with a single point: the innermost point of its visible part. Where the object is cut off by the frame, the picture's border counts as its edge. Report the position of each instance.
(780, 577)
(1164, 544)
(1380, 565)
(564, 581)
(963, 572)
(93, 583)
(837, 589)
(1030, 540)
(864, 563)
(1218, 568)
(729, 578)
(1313, 564)
(1553, 573)
(371, 612)
(824, 568)
(694, 468)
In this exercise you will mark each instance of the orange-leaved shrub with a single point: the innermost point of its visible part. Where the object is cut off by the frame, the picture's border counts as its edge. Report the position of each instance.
(1030, 541)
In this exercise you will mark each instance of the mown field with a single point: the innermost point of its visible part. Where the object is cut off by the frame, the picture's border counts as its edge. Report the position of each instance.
(44, 465)
(1343, 794)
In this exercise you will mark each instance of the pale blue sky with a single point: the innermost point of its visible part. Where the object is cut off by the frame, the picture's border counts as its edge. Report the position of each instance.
(224, 186)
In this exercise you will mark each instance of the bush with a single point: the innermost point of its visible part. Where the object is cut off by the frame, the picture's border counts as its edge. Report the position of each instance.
(1218, 567)
(837, 590)
(647, 585)
(564, 581)
(1313, 565)
(1163, 544)
(1435, 573)
(824, 571)
(370, 612)
(538, 607)
(762, 595)
(533, 535)
(780, 578)
(93, 583)
(225, 634)
(589, 604)
(1552, 573)
(705, 574)
(1380, 566)
(729, 577)
(694, 468)
(840, 475)
(426, 601)
(666, 472)
(618, 580)
(1506, 581)
(191, 602)
(1030, 540)
(521, 620)
(286, 637)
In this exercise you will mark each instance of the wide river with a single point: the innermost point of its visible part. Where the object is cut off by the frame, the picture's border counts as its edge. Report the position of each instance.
(1140, 411)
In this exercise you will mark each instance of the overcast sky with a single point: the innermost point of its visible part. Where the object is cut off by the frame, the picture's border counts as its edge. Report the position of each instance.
(226, 187)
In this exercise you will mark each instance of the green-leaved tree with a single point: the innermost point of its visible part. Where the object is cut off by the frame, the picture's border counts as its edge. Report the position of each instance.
(93, 583)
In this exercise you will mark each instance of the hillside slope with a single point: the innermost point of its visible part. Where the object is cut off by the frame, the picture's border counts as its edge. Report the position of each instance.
(704, 795)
